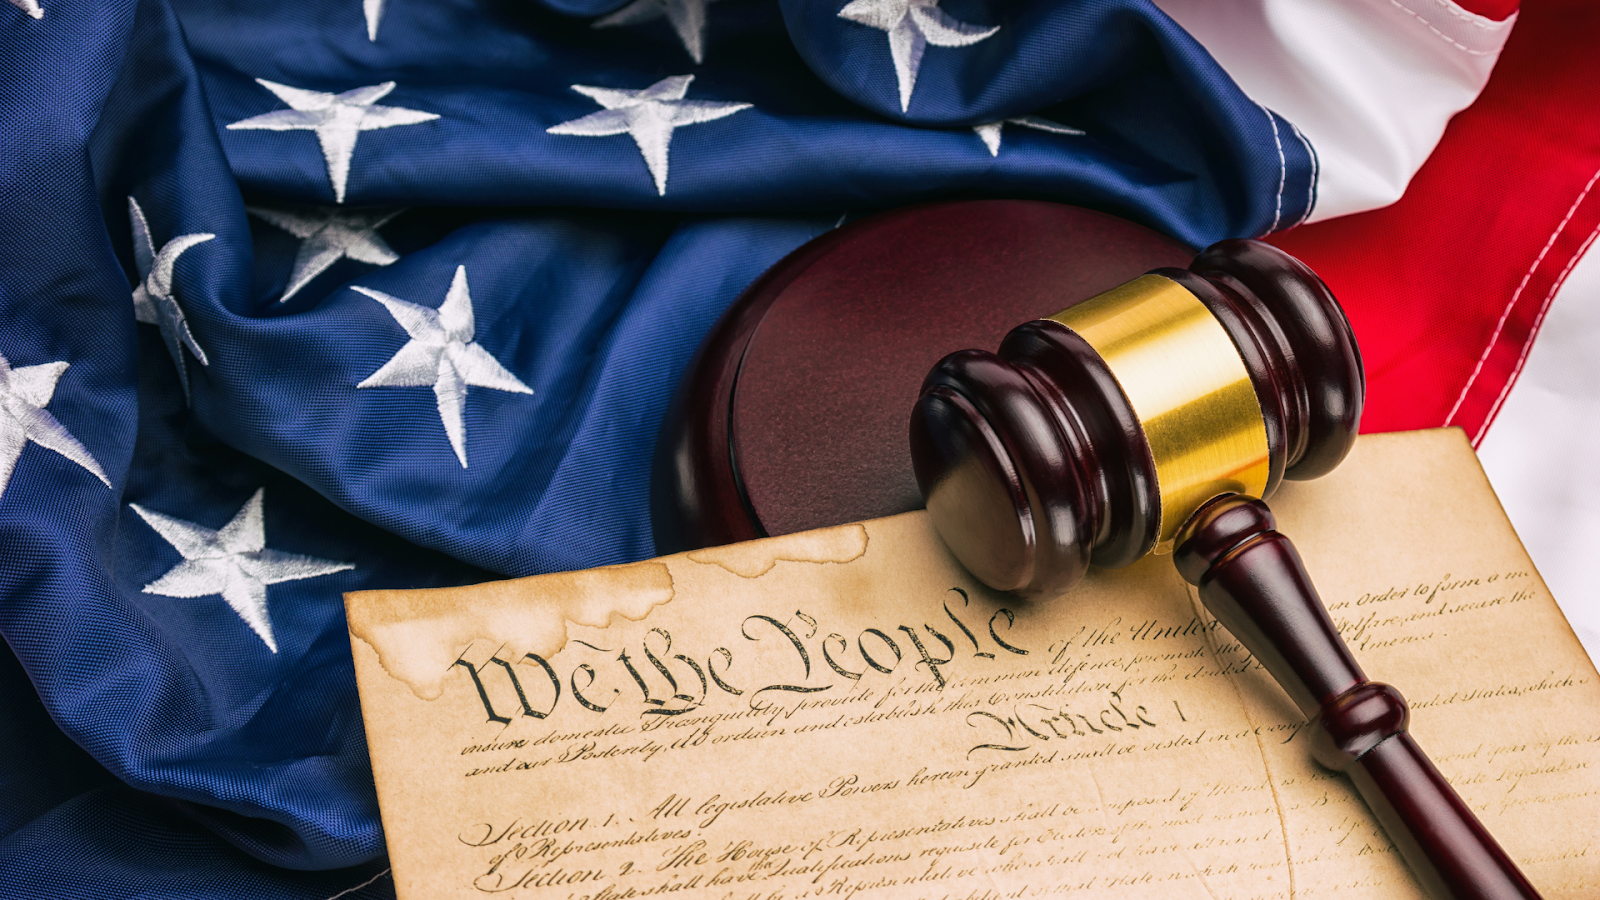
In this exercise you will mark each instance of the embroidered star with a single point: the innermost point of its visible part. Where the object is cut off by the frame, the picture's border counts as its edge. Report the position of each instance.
(153, 300)
(649, 116)
(31, 7)
(990, 133)
(687, 17)
(373, 10)
(24, 393)
(327, 236)
(912, 25)
(337, 119)
(233, 561)
(442, 355)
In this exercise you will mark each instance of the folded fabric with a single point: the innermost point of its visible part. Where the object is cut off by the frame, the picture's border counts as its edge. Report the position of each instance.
(297, 300)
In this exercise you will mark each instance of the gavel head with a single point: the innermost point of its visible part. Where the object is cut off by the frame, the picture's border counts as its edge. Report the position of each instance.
(1092, 435)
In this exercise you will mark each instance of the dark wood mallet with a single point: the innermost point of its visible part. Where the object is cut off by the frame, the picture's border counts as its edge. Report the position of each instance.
(1160, 414)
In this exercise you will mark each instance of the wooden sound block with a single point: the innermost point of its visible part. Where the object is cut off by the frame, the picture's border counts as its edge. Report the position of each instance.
(794, 414)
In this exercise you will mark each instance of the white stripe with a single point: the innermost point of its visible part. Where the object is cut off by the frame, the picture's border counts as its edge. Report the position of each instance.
(1371, 83)
(1540, 452)
(1455, 26)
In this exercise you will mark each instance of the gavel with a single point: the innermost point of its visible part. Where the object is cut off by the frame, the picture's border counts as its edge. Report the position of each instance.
(1157, 417)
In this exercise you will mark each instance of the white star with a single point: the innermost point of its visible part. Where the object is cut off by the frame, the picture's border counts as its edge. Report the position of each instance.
(648, 116)
(232, 561)
(24, 393)
(153, 300)
(327, 236)
(373, 9)
(338, 120)
(912, 25)
(31, 7)
(687, 17)
(990, 133)
(442, 355)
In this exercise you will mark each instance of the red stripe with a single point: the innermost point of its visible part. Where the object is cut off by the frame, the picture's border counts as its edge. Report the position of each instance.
(1497, 10)
(1446, 288)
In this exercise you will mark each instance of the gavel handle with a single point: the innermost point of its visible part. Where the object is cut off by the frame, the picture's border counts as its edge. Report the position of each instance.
(1253, 581)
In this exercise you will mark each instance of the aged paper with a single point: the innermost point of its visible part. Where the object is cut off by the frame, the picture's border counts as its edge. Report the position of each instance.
(845, 713)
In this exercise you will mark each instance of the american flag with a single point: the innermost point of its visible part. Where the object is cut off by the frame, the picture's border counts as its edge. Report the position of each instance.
(299, 299)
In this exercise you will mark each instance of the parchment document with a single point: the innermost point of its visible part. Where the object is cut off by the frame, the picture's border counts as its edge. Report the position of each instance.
(846, 713)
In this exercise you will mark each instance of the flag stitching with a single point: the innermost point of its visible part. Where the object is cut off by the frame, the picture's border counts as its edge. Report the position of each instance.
(1527, 344)
(1283, 168)
(1476, 21)
(1500, 325)
(1442, 36)
(1311, 182)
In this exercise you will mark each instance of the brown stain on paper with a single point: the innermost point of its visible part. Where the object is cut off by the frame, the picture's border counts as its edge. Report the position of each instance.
(419, 634)
(752, 559)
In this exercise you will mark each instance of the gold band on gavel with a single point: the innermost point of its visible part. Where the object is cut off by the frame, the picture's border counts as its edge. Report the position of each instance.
(1186, 383)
